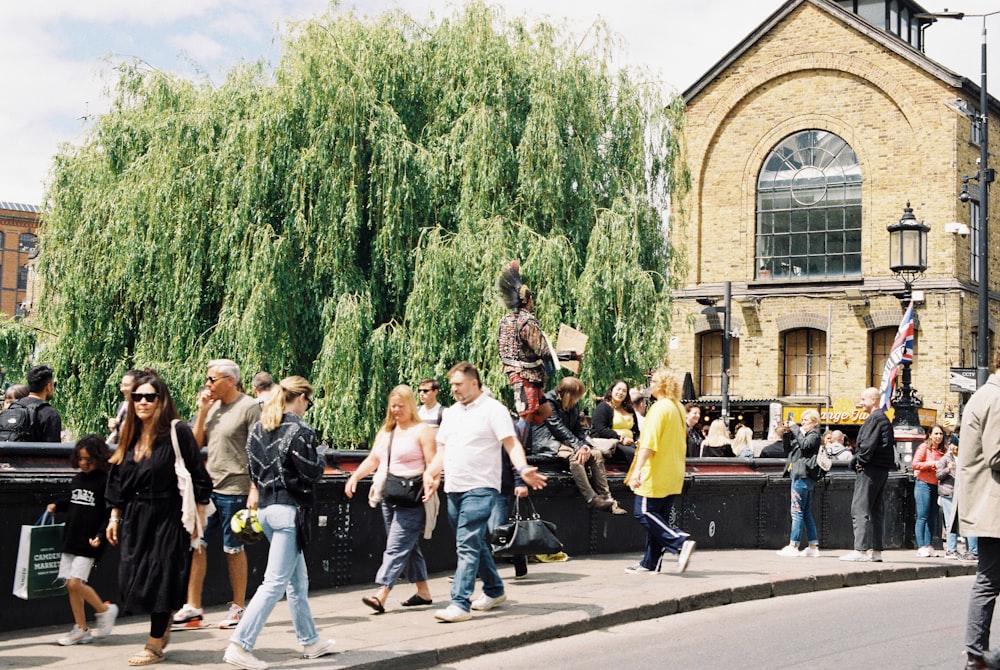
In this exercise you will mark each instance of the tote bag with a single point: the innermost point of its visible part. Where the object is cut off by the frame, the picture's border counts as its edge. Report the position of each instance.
(36, 573)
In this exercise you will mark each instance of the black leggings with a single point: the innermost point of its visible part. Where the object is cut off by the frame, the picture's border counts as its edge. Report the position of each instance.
(158, 624)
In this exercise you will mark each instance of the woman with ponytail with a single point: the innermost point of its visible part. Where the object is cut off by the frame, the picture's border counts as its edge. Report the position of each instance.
(284, 468)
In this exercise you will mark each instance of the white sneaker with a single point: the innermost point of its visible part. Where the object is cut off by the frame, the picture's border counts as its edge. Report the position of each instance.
(106, 621)
(318, 648)
(922, 552)
(484, 603)
(788, 551)
(76, 636)
(874, 556)
(686, 550)
(232, 618)
(637, 569)
(452, 614)
(812, 551)
(856, 557)
(189, 617)
(241, 658)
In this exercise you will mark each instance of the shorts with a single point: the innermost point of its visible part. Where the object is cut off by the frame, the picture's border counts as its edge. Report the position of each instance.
(72, 566)
(529, 400)
(226, 506)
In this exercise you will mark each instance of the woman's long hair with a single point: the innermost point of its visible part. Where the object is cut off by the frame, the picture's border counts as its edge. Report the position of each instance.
(943, 445)
(404, 393)
(718, 434)
(165, 412)
(288, 389)
(627, 402)
(743, 439)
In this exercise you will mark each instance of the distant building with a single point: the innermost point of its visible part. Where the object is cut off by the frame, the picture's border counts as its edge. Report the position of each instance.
(804, 142)
(18, 245)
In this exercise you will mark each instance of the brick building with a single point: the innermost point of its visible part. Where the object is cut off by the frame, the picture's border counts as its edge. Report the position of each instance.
(804, 142)
(18, 243)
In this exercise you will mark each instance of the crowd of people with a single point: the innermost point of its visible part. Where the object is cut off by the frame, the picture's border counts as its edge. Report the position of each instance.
(147, 490)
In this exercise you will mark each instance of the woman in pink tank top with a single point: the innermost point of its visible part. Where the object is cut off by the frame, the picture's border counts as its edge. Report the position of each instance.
(403, 447)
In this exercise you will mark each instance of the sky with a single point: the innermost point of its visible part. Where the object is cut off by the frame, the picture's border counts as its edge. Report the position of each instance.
(57, 56)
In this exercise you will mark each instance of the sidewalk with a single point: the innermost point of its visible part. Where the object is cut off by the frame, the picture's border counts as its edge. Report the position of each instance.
(555, 600)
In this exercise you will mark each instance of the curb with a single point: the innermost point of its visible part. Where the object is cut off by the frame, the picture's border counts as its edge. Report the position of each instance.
(385, 659)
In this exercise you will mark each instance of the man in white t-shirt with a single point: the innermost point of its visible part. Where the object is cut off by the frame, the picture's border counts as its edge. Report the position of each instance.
(472, 434)
(430, 410)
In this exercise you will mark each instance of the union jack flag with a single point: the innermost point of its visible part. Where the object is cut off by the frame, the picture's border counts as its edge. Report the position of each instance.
(902, 350)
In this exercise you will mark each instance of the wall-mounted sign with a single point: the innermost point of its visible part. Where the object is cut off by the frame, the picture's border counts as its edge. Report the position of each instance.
(962, 380)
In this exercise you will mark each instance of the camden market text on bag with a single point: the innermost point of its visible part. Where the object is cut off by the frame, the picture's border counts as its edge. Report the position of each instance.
(525, 535)
(36, 573)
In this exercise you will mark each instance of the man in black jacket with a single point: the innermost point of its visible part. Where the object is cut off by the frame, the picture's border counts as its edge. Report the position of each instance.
(874, 458)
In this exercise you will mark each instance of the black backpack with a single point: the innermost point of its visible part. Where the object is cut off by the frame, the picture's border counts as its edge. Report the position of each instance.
(17, 422)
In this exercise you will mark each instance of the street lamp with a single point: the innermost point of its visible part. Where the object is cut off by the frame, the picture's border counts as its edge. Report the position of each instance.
(908, 261)
(985, 177)
(727, 298)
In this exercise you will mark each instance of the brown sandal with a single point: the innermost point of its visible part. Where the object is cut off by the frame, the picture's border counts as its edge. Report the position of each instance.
(148, 656)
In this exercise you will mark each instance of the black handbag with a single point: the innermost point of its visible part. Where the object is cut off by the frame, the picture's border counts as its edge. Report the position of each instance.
(525, 535)
(401, 491)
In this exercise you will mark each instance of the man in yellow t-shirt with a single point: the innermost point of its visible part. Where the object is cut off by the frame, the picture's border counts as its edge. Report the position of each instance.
(657, 475)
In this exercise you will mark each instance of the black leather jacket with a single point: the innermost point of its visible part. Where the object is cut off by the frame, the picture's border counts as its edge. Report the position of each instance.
(563, 427)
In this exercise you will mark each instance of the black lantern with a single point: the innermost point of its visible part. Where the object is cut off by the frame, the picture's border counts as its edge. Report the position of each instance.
(908, 247)
(907, 260)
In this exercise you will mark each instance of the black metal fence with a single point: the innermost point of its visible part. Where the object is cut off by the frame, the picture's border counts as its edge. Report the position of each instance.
(726, 504)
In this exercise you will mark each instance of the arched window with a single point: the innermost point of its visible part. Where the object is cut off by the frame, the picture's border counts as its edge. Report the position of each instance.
(710, 375)
(809, 209)
(804, 362)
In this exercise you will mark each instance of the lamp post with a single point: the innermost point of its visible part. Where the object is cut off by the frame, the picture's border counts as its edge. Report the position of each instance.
(908, 261)
(985, 177)
(727, 324)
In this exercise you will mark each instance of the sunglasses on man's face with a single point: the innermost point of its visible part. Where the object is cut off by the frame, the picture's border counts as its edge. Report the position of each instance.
(148, 397)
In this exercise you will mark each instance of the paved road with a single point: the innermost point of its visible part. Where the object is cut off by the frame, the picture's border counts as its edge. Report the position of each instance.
(587, 593)
(902, 625)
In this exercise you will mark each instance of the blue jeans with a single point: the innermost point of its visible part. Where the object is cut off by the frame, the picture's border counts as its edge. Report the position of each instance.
(403, 528)
(654, 515)
(469, 513)
(925, 497)
(286, 574)
(802, 494)
(225, 507)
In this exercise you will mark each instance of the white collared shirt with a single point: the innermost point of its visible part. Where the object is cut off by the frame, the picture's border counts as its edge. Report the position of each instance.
(472, 435)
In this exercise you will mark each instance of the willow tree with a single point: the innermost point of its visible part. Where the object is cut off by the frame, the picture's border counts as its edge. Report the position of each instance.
(345, 216)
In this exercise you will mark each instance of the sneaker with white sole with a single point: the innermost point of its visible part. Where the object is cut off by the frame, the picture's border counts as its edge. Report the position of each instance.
(788, 551)
(232, 618)
(318, 648)
(812, 551)
(856, 557)
(923, 552)
(452, 614)
(106, 621)
(874, 556)
(686, 550)
(241, 658)
(637, 569)
(76, 636)
(484, 603)
(189, 617)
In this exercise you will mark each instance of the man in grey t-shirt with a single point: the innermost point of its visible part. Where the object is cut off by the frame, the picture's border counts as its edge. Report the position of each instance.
(224, 419)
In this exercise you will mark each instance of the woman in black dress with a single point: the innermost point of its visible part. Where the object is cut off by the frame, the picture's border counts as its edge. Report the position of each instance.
(146, 510)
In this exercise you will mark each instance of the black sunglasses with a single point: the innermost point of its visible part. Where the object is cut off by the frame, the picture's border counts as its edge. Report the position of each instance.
(148, 397)
(424, 390)
(309, 403)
